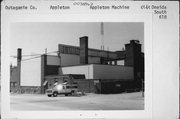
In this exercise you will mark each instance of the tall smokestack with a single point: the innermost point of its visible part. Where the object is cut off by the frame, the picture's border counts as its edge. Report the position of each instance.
(19, 57)
(19, 54)
(102, 36)
(84, 50)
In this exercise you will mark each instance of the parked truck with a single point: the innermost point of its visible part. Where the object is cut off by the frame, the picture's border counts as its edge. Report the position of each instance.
(65, 88)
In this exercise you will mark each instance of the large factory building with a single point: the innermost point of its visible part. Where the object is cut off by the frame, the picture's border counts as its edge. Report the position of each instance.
(93, 70)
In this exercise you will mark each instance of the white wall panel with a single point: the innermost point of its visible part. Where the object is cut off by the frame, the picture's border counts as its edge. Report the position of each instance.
(95, 71)
(31, 72)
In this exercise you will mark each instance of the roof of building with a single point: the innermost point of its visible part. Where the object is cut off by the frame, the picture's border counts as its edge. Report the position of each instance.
(74, 76)
(96, 64)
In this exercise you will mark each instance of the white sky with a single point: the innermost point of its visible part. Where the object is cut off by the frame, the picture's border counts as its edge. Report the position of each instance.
(34, 38)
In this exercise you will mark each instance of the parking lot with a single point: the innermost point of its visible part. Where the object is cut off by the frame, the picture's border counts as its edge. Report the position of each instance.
(125, 101)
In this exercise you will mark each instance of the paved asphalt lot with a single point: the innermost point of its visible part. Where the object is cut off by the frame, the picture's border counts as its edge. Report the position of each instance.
(125, 101)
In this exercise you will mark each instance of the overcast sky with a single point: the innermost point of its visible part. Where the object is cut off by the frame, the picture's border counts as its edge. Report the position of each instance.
(34, 38)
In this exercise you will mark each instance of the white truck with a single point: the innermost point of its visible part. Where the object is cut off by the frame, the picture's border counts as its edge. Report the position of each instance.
(66, 89)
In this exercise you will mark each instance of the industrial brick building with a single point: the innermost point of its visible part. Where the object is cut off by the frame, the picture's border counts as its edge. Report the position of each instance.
(93, 70)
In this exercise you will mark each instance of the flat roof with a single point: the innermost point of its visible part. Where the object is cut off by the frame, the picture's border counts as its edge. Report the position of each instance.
(96, 64)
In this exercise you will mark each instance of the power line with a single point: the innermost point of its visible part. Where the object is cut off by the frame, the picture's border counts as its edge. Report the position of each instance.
(40, 55)
(30, 58)
(26, 55)
(37, 55)
(34, 54)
